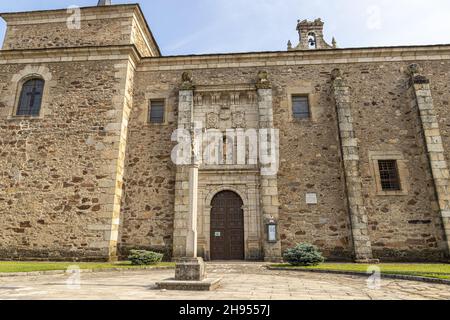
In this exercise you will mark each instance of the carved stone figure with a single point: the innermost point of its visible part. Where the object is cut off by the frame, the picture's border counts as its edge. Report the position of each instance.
(263, 81)
(187, 80)
(415, 68)
(336, 73)
(416, 74)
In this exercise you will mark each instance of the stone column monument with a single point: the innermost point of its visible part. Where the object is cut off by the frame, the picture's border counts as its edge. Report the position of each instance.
(190, 270)
(191, 267)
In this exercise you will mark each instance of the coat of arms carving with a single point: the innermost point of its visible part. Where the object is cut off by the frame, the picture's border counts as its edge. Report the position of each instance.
(212, 120)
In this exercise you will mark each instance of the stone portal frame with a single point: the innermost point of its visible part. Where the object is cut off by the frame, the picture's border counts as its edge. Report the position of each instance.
(17, 82)
(247, 188)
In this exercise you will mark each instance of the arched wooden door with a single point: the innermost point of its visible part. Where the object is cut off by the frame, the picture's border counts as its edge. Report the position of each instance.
(227, 227)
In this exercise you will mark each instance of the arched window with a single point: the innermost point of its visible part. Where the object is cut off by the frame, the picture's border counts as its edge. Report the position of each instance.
(31, 98)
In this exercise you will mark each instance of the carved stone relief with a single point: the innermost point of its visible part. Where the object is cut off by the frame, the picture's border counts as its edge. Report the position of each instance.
(239, 119)
(212, 120)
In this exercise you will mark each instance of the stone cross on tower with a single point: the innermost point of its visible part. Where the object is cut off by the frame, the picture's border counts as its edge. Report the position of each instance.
(104, 3)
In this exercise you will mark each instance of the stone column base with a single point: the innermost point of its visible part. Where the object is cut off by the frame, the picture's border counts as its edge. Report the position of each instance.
(205, 285)
(367, 261)
(273, 259)
(190, 269)
(114, 258)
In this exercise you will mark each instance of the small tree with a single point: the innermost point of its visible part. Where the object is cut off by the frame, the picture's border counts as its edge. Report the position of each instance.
(304, 254)
(144, 258)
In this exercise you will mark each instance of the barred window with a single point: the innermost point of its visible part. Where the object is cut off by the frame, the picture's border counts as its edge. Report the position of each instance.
(31, 98)
(157, 111)
(300, 107)
(389, 176)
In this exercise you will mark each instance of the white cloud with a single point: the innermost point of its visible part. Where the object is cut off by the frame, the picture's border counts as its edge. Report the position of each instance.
(373, 17)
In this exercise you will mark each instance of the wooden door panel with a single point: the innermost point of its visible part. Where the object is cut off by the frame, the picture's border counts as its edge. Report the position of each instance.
(227, 227)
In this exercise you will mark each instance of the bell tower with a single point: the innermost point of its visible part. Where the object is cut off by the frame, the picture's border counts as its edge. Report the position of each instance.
(311, 36)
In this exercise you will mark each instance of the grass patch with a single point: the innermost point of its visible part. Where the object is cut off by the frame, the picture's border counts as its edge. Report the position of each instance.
(19, 266)
(439, 271)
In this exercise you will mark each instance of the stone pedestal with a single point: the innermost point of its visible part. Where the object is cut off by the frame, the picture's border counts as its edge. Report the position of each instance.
(205, 285)
(190, 275)
(368, 261)
(274, 259)
(190, 269)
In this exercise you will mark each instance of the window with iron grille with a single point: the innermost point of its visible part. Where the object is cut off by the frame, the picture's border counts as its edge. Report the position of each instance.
(300, 107)
(390, 180)
(31, 98)
(157, 110)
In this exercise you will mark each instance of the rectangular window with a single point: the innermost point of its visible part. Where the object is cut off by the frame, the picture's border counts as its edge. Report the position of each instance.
(300, 107)
(389, 176)
(157, 111)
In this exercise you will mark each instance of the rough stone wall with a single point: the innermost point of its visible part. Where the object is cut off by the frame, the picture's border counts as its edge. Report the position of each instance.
(58, 177)
(439, 75)
(401, 227)
(55, 35)
(92, 26)
(423, 102)
(310, 163)
(149, 184)
(61, 174)
(405, 226)
(138, 39)
(309, 153)
(341, 92)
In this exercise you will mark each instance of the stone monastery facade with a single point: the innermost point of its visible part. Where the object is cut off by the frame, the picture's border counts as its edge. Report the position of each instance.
(87, 114)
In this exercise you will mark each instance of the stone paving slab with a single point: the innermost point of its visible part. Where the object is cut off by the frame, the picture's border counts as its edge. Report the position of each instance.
(239, 282)
(363, 274)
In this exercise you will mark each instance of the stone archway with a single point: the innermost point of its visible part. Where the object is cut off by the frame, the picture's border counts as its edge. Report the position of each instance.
(247, 189)
(227, 227)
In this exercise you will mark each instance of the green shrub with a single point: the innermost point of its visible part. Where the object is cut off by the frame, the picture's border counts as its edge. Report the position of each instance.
(144, 258)
(303, 254)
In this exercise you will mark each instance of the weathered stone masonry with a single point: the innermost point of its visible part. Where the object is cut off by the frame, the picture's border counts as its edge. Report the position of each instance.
(350, 154)
(69, 162)
(91, 178)
(423, 103)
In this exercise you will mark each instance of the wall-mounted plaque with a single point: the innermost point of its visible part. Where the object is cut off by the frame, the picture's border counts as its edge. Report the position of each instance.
(311, 198)
(272, 232)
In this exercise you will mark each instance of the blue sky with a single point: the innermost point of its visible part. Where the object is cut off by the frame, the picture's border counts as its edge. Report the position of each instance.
(212, 26)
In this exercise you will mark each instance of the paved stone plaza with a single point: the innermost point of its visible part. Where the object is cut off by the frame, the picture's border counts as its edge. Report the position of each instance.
(240, 281)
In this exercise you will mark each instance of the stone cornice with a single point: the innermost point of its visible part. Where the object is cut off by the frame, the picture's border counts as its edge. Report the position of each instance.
(119, 52)
(305, 57)
(253, 59)
(89, 13)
